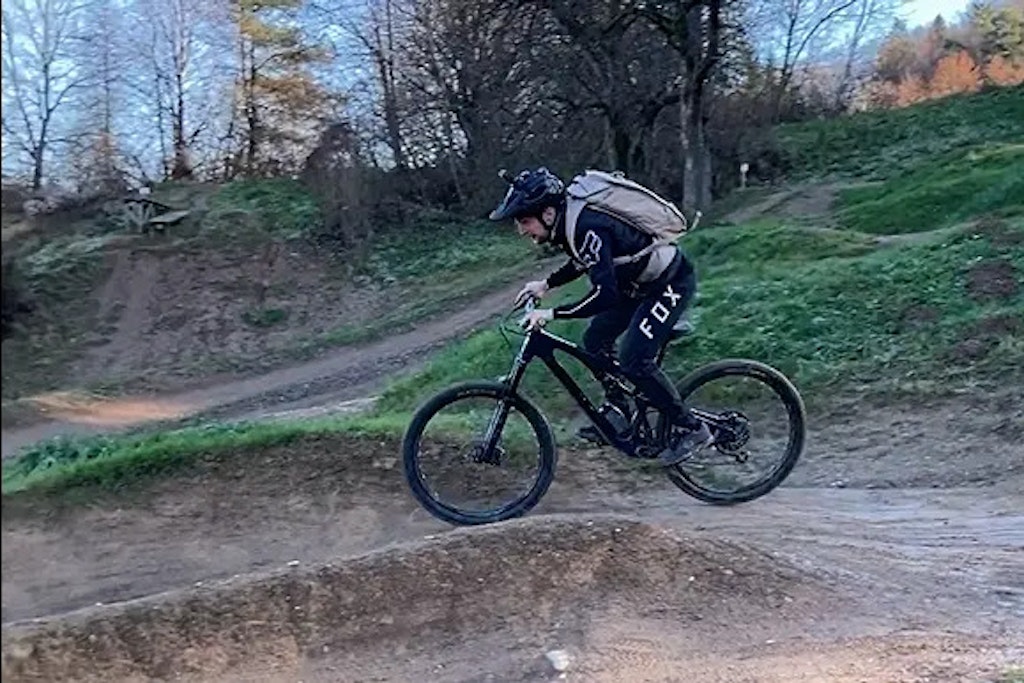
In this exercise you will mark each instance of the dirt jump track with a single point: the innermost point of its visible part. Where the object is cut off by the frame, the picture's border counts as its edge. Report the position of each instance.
(622, 599)
(314, 564)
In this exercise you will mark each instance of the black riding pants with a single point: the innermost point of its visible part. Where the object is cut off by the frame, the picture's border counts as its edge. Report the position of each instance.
(647, 322)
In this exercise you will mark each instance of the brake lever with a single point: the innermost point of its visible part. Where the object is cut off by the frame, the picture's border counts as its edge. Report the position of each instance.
(529, 307)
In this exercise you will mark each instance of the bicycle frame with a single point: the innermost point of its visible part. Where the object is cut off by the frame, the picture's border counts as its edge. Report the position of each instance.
(540, 343)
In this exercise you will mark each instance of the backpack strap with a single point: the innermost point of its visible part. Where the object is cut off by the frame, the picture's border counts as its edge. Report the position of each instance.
(621, 260)
(573, 207)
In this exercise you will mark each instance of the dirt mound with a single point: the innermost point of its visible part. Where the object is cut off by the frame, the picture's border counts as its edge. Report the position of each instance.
(985, 335)
(168, 313)
(543, 575)
(993, 279)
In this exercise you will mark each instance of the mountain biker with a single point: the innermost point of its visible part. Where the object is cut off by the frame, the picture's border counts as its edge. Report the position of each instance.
(639, 301)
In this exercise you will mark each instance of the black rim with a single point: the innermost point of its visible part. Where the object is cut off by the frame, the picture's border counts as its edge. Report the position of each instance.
(541, 461)
(795, 433)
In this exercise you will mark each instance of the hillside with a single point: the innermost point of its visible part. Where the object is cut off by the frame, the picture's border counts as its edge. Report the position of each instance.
(246, 284)
(809, 278)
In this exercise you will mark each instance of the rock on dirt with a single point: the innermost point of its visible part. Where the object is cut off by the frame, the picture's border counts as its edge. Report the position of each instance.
(559, 660)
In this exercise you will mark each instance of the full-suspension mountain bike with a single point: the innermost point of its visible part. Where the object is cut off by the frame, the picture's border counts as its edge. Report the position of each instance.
(481, 451)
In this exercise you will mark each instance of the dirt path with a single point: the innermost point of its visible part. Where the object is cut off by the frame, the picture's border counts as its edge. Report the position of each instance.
(812, 201)
(124, 302)
(937, 489)
(916, 550)
(904, 584)
(612, 597)
(349, 373)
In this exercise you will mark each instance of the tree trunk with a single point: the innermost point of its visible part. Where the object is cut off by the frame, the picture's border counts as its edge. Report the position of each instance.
(251, 115)
(182, 168)
(622, 147)
(449, 138)
(696, 156)
(686, 140)
(37, 167)
(386, 68)
(394, 129)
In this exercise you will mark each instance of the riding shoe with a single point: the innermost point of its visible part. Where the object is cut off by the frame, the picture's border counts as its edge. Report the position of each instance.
(686, 445)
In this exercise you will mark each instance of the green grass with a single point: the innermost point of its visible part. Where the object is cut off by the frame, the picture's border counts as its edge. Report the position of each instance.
(116, 461)
(1014, 674)
(944, 190)
(430, 299)
(883, 144)
(827, 321)
(441, 244)
(767, 242)
(449, 262)
(280, 207)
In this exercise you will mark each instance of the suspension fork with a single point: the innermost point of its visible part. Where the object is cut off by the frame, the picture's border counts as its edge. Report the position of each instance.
(501, 411)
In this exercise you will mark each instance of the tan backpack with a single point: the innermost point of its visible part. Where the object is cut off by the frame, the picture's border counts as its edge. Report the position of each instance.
(630, 202)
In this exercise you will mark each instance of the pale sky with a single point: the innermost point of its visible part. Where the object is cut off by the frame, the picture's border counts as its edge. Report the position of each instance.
(923, 11)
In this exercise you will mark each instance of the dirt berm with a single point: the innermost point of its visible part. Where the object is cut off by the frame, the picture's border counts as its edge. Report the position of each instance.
(533, 584)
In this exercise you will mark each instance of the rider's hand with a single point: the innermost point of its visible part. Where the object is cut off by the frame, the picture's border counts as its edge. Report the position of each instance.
(536, 318)
(537, 289)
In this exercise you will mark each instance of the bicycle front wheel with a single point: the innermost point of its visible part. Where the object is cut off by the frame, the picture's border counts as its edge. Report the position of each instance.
(474, 454)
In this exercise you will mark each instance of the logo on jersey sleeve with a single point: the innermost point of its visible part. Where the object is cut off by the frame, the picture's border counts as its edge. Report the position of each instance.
(590, 252)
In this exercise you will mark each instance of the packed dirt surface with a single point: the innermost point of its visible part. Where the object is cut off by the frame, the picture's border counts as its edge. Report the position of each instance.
(872, 576)
(599, 597)
(811, 201)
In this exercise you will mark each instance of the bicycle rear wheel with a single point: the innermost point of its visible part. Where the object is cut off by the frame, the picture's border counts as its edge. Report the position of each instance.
(759, 422)
(464, 478)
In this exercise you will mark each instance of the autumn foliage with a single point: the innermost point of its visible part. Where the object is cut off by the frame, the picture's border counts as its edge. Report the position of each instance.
(985, 49)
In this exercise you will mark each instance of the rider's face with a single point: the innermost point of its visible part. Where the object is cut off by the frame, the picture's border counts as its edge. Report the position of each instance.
(534, 228)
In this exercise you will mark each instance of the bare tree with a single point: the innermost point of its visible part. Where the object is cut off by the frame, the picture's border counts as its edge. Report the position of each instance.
(610, 64)
(837, 57)
(168, 39)
(694, 29)
(39, 75)
(462, 74)
(793, 25)
(179, 76)
(95, 155)
(371, 33)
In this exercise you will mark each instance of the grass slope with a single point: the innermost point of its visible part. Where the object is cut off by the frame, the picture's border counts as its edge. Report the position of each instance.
(941, 191)
(878, 145)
